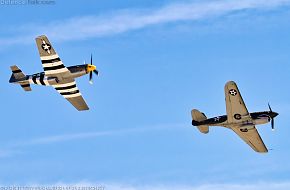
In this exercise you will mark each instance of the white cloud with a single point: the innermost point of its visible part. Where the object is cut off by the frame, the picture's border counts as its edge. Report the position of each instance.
(15, 147)
(89, 135)
(61, 138)
(122, 21)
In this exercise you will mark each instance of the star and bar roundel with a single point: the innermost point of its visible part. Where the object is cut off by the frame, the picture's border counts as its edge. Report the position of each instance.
(46, 46)
(233, 92)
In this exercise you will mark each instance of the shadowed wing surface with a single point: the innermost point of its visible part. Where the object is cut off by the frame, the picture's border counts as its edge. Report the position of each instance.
(252, 138)
(70, 92)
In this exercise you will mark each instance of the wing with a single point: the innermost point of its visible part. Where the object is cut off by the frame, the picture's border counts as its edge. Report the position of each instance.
(52, 64)
(252, 138)
(70, 92)
(235, 105)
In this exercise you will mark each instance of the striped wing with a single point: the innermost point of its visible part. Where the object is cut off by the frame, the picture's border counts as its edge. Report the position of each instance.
(52, 64)
(70, 92)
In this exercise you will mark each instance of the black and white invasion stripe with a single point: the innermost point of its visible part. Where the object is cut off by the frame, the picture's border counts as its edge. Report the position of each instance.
(68, 90)
(39, 80)
(25, 85)
(52, 65)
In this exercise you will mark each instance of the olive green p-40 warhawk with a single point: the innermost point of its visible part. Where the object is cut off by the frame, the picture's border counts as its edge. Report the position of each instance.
(55, 74)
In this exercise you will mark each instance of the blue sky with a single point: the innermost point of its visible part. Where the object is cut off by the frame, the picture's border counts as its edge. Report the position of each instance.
(157, 61)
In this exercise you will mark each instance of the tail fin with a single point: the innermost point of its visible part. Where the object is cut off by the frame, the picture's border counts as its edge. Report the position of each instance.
(197, 117)
(19, 77)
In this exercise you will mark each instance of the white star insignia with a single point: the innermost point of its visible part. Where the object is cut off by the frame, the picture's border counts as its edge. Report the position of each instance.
(233, 92)
(46, 47)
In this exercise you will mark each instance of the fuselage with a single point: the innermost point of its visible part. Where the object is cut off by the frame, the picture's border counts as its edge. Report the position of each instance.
(255, 118)
(41, 79)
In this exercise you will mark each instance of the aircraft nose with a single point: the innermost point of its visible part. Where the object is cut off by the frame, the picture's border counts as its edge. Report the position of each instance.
(274, 114)
(91, 68)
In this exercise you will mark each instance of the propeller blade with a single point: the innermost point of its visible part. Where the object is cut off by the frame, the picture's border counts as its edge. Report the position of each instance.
(91, 77)
(269, 107)
(96, 72)
(91, 59)
(272, 119)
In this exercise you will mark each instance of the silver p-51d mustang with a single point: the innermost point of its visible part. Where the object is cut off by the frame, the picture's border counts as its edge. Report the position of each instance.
(238, 119)
(55, 74)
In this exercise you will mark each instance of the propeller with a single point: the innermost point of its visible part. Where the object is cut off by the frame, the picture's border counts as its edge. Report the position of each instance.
(92, 70)
(270, 107)
(272, 118)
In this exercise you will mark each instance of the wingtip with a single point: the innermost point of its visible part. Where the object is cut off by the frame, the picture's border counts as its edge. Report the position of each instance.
(262, 152)
(230, 82)
(41, 36)
(84, 109)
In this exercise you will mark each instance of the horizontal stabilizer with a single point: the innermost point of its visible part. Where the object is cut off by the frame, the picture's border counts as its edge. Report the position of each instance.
(26, 86)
